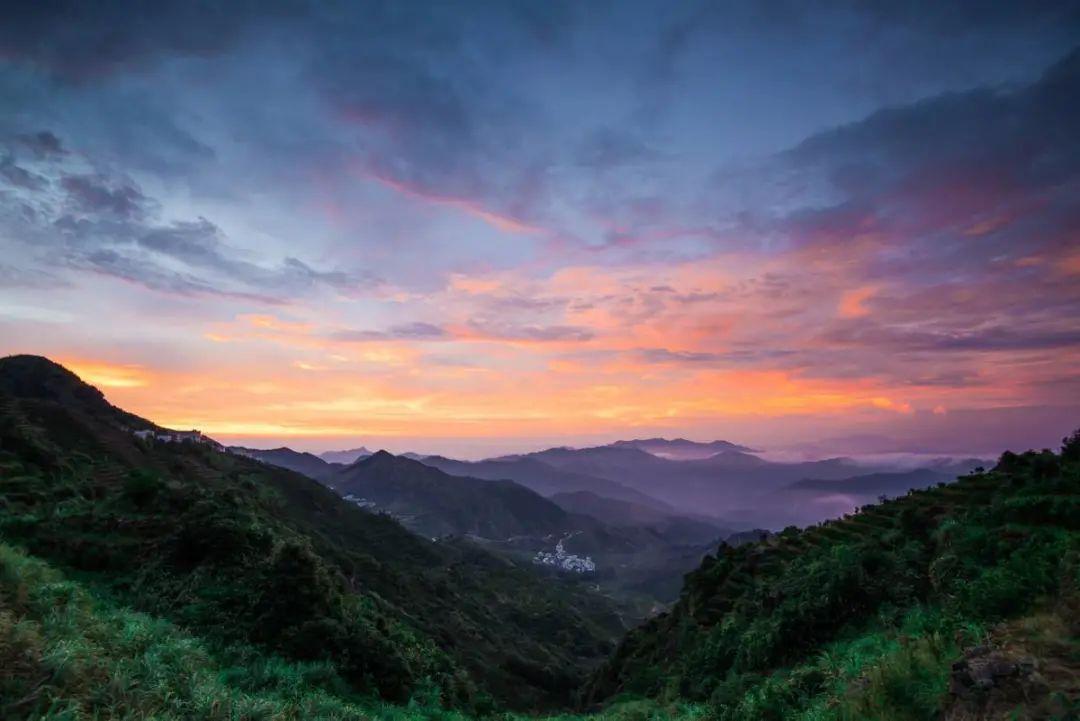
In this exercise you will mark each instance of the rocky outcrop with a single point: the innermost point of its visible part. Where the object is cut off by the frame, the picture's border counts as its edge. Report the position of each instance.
(1007, 683)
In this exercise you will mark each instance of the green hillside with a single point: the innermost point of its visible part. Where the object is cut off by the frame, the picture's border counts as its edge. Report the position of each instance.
(862, 617)
(435, 503)
(141, 578)
(241, 552)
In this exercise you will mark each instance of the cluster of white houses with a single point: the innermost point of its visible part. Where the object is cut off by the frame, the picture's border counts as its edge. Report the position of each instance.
(565, 561)
(173, 436)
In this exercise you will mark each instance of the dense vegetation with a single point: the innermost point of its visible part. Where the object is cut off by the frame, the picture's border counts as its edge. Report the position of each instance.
(862, 617)
(143, 579)
(435, 503)
(242, 553)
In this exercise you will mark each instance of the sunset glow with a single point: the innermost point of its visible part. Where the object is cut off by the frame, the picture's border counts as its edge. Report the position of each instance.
(433, 241)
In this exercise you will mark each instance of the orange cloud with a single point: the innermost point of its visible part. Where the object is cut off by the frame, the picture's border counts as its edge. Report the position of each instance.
(853, 302)
(1070, 264)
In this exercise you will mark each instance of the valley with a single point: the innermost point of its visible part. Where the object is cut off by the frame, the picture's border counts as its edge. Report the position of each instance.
(371, 583)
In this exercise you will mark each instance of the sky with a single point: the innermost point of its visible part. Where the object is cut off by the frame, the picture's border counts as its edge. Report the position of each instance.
(482, 227)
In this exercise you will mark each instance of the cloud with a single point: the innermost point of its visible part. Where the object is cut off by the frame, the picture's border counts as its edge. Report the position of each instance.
(606, 148)
(15, 277)
(104, 223)
(663, 355)
(96, 194)
(76, 42)
(853, 302)
(42, 143)
(987, 338)
(916, 250)
(407, 331)
(497, 330)
(931, 171)
(20, 177)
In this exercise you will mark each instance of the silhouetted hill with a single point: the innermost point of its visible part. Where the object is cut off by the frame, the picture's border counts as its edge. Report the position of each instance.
(673, 528)
(309, 464)
(869, 614)
(345, 457)
(680, 448)
(543, 478)
(734, 486)
(38, 378)
(639, 558)
(242, 552)
(436, 503)
(875, 484)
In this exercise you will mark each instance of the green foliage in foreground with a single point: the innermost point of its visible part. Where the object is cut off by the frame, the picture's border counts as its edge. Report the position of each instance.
(862, 618)
(260, 595)
(244, 554)
(67, 653)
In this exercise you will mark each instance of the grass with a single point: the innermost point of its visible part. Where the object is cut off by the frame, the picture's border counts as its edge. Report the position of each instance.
(67, 653)
(190, 584)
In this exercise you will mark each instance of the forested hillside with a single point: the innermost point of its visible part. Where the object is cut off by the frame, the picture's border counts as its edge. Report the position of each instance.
(864, 617)
(145, 578)
(245, 553)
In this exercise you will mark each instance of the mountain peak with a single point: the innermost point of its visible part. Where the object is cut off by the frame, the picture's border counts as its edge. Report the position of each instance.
(379, 457)
(680, 448)
(345, 457)
(39, 378)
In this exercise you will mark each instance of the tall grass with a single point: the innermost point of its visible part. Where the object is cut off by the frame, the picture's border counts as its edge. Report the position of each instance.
(68, 654)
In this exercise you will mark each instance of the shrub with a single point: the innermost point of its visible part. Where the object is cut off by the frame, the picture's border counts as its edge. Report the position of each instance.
(141, 486)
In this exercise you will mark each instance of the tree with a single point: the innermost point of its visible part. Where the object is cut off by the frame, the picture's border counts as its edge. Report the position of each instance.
(1070, 447)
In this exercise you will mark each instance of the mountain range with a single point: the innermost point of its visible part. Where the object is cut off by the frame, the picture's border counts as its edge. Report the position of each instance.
(154, 569)
(639, 551)
(345, 457)
(436, 503)
(693, 487)
(247, 553)
(309, 464)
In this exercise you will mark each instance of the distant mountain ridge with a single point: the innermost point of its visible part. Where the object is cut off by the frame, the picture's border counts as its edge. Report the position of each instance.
(309, 464)
(732, 485)
(243, 552)
(346, 457)
(720, 484)
(681, 448)
(888, 484)
(436, 503)
(542, 477)
(672, 527)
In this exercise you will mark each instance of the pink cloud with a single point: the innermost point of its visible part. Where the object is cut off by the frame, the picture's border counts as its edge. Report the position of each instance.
(501, 222)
